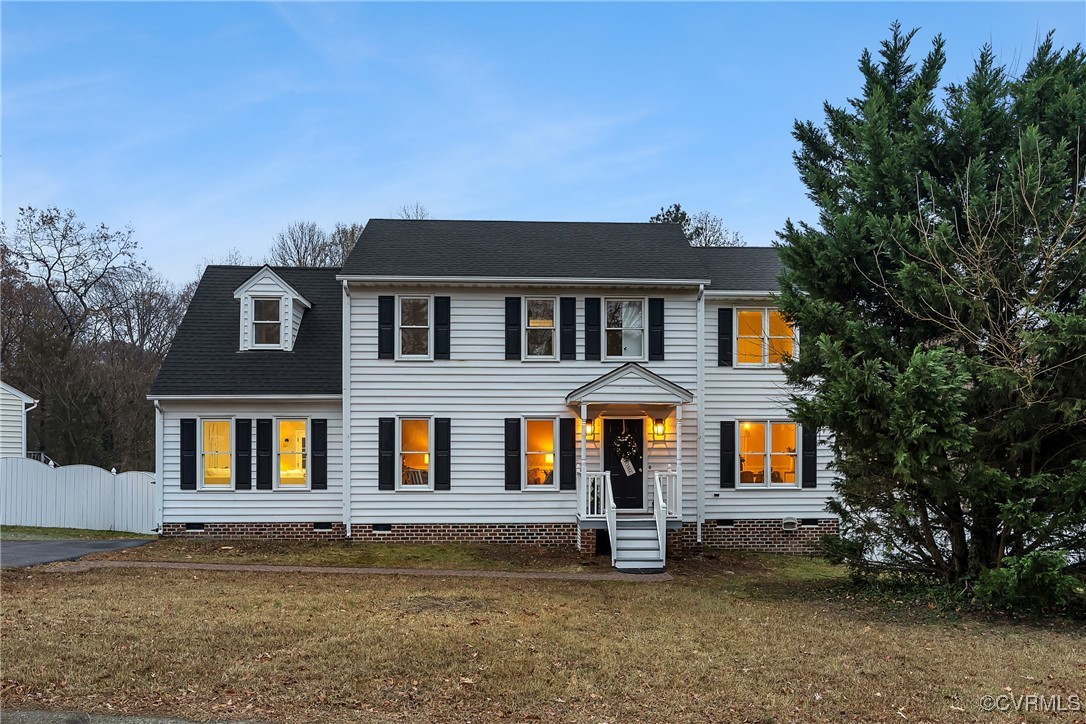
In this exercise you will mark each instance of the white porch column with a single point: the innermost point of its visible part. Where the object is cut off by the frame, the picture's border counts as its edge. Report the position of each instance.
(582, 488)
(679, 454)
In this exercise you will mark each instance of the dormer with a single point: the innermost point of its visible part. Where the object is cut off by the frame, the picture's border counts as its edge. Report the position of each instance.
(271, 312)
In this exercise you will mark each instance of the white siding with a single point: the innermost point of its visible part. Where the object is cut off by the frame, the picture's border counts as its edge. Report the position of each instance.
(295, 313)
(12, 442)
(477, 389)
(257, 506)
(735, 393)
(290, 309)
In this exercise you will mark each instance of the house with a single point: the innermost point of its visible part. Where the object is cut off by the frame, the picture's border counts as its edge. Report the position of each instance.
(511, 382)
(13, 408)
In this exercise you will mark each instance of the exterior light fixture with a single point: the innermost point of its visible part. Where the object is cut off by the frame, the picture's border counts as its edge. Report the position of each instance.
(590, 429)
(658, 429)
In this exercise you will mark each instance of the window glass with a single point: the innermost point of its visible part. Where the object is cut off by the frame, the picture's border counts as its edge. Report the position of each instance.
(414, 453)
(625, 328)
(292, 453)
(782, 459)
(540, 333)
(752, 453)
(414, 326)
(266, 322)
(749, 343)
(781, 341)
(539, 449)
(216, 453)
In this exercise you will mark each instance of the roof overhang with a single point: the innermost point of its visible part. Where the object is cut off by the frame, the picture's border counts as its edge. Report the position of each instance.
(266, 272)
(739, 294)
(483, 281)
(197, 398)
(630, 384)
(26, 399)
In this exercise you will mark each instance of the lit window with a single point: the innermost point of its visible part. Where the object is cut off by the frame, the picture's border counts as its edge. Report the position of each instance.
(764, 336)
(539, 452)
(539, 335)
(292, 453)
(625, 328)
(414, 453)
(215, 451)
(267, 324)
(414, 326)
(767, 446)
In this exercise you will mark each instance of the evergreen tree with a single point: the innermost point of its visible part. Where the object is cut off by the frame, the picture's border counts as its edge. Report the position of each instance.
(941, 308)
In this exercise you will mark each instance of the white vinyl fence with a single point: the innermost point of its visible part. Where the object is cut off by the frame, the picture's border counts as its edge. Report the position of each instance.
(76, 496)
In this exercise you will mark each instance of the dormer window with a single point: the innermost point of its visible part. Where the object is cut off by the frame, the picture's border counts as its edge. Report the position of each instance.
(267, 322)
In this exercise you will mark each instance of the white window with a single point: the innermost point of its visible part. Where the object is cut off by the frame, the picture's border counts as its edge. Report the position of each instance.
(415, 453)
(539, 437)
(267, 322)
(539, 330)
(292, 438)
(764, 337)
(216, 454)
(624, 329)
(767, 453)
(415, 331)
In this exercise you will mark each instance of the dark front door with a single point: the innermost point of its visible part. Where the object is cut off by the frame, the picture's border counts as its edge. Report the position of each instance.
(629, 490)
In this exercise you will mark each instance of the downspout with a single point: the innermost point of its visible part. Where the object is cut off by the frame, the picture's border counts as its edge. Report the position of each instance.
(26, 410)
(160, 503)
(700, 397)
(345, 424)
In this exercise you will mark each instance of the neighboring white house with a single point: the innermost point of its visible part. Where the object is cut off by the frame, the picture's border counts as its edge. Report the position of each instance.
(13, 408)
(511, 382)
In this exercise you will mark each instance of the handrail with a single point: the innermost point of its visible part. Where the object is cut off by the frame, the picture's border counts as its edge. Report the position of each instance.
(660, 513)
(592, 497)
(611, 513)
(669, 482)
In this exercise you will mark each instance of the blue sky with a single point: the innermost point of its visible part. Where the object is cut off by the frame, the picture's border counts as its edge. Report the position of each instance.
(209, 126)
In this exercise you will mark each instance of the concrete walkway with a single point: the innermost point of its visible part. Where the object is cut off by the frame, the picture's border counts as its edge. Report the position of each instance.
(22, 553)
(81, 566)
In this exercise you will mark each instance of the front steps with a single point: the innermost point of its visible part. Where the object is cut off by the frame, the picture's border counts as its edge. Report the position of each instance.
(636, 548)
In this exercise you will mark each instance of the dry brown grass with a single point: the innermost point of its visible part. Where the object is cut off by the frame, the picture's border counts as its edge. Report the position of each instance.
(769, 642)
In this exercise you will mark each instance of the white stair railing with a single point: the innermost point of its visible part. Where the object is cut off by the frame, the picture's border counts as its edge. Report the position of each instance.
(593, 498)
(611, 513)
(669, 482)
(660, 512)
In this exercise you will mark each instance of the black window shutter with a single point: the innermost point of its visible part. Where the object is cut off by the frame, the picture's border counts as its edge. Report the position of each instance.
(512, 453)
(243, 467)
(442, 319)
(319, 450)
(724, 337)
(512, 327)
(263, 454)
(727, 453)
(810, 457)
(567, 446)
(656, 329)
(386, 441)
(386, 311)
(567, 340)
(442, 453)
(592, 328)
(188, 454)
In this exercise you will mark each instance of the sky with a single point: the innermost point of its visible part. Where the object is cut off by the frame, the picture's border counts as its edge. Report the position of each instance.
(210, 126)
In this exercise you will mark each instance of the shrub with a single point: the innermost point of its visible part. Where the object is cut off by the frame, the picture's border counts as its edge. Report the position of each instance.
(1035, 582)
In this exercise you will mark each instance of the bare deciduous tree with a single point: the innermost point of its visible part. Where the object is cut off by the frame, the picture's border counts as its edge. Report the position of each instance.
(413, 210)
(302, 243)
(343, 238)
(708, 229)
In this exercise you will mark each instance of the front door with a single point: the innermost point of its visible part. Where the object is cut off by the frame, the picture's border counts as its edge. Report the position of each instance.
(629, 490)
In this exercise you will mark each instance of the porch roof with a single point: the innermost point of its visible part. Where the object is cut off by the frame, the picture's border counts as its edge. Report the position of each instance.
(630, 384)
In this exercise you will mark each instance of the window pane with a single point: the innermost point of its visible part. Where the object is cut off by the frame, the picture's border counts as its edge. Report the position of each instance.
(414, 312)
(540, 312)
(625, 343)
(784, 437)
(216, 469)
(292, 458)
(540, 436)
(752, 469)
(415, 436)
(415, 341)
(749, 350)
(779, 348)
(750, 323)
(217, 436)
(614, 343)
(541, 469)
(777, 326)
(540, 342)
(624, 314)
(783, 468)
(291, 469)
(266, 332)
(752, 437)
(266, 310)
(416, 469)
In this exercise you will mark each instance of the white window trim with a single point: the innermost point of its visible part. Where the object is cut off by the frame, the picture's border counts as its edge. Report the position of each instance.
(553, 356)
(767, 484)
(399, 454)
(253, 322)
(525, 452)
(765, 363)
(429, 356)
(644, 330)
(308, 453)
(200, 453)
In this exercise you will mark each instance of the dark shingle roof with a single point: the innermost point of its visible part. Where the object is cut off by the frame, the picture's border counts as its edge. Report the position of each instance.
(526, 249)
(205, 358)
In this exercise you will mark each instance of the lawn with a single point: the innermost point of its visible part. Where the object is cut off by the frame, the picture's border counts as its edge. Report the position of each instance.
(733, 638)
(19, 532)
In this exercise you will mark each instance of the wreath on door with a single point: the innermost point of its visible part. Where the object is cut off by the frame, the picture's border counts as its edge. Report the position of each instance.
(624, 446)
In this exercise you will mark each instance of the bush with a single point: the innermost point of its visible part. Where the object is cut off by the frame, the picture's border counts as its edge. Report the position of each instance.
(1035, 582)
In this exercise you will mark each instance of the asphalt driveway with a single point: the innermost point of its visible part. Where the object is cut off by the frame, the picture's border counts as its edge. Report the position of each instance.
(23, 553)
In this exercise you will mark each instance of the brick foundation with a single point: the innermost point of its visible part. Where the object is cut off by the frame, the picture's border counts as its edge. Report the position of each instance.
(257, 531)
(752, 535)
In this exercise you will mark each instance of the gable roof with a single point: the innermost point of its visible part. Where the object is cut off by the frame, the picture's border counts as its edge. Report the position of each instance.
(23, 397)
(205, 357)
(649, 387)
(266, 272)
(429, 249)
